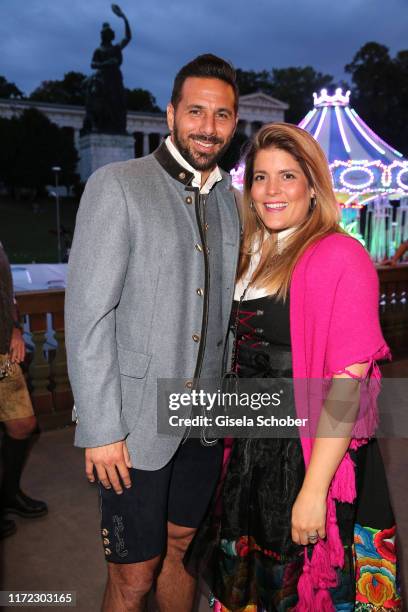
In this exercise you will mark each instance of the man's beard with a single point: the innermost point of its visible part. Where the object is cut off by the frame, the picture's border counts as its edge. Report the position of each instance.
(200, 161)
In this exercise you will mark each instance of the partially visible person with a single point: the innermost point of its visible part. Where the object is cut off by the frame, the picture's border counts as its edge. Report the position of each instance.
(16, 411)
(399, 253)
(302, 524)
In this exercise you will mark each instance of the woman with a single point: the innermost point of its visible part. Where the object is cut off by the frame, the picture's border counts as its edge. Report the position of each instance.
(301, 524)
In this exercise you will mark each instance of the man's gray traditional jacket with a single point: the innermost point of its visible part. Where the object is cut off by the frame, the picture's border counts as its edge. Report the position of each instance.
(137, 298)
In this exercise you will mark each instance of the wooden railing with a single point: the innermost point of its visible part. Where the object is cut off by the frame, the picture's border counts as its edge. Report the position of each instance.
(43, 315)
(43, 312)
(394, 307)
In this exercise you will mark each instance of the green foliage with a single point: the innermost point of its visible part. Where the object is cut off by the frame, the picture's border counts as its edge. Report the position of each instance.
(250, 81)
(380, 92)
(141, 100)
(28, 231)
(8, 89)
(296, 87)
(29, 146)
(293, 85)
(69, 90)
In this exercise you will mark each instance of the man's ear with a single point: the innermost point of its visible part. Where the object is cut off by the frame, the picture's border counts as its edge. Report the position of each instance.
(170, 116)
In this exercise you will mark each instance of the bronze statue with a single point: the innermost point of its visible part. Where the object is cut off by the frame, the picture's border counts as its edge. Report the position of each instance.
(105, 103)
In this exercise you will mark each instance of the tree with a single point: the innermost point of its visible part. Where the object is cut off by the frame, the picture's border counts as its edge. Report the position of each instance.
(296, 86)
(380, 91)
(8, 89)
(293, 85)
(30, 145)
(141, 100)
(69, 90)
(250, 81)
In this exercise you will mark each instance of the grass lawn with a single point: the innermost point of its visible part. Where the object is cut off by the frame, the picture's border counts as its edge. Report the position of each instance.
(26, 233)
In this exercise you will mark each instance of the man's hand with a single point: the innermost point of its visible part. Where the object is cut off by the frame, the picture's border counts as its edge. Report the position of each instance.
(110, 462)
(17, 347)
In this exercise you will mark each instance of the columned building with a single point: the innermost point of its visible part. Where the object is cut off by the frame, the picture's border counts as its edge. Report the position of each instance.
(149, 129)
(258, 108)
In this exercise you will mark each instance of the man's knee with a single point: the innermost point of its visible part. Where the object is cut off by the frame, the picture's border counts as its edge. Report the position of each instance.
(133, 580)
(178, 539)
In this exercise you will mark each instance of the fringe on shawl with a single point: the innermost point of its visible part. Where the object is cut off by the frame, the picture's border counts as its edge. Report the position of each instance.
(319, 572)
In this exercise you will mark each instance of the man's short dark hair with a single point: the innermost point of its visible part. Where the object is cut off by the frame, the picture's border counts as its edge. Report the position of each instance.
(206, 66)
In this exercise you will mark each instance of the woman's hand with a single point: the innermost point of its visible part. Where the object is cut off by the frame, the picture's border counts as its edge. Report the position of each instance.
(309, 517)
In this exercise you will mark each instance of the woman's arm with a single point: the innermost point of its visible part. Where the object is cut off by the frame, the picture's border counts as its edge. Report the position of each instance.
(309, 509)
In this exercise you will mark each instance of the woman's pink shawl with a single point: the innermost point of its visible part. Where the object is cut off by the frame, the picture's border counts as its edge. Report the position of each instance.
(334, 321)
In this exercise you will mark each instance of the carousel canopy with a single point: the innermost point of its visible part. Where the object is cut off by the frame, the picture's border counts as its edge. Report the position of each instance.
(360, 161)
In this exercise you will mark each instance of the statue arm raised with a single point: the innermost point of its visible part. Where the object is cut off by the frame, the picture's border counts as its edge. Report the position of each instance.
(128, 34)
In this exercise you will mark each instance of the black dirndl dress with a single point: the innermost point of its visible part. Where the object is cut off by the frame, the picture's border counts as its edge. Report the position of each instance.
(243, 550)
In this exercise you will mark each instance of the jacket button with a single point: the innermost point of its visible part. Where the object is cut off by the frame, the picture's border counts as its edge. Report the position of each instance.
(189, 200)
(105, 532)
(108, 551)
(206, 226)
(188, 384)
(198, 247)
(200, 292)
(105, 541)
(182, 175)
(196, 337)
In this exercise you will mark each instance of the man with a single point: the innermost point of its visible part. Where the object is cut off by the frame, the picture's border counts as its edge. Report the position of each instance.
(16, 411)
(151, 277)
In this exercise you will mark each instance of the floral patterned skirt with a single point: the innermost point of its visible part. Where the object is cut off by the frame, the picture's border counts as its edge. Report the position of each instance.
(243, 550)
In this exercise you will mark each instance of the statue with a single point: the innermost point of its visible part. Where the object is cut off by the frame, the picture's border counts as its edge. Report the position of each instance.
(105, 102)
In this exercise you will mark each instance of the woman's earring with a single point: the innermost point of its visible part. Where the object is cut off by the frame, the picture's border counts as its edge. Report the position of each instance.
(313, 203)
(252, 205)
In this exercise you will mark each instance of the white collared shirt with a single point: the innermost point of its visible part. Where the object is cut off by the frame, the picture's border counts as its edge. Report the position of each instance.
(258, 292)
(213, 178)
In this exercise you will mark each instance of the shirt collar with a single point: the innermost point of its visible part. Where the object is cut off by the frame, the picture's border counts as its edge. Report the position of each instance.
(213, 178)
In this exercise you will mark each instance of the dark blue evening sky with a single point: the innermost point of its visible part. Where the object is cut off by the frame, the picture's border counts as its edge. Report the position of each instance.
(42, 39)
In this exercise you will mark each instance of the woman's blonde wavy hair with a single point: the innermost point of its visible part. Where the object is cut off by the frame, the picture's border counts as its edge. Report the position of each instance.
(321, 221)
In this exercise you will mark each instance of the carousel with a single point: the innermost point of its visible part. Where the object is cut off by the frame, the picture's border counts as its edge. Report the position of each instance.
(370, 177)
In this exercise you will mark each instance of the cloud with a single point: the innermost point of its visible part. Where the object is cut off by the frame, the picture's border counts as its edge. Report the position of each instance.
(41, 39)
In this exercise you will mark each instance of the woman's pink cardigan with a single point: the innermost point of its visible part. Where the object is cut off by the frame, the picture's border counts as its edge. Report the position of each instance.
(334, 322)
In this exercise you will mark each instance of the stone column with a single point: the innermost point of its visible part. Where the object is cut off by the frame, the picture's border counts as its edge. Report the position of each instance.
(76, 138)
(146, 144)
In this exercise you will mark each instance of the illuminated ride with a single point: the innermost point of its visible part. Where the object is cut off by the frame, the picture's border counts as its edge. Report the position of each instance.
(363, 166)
